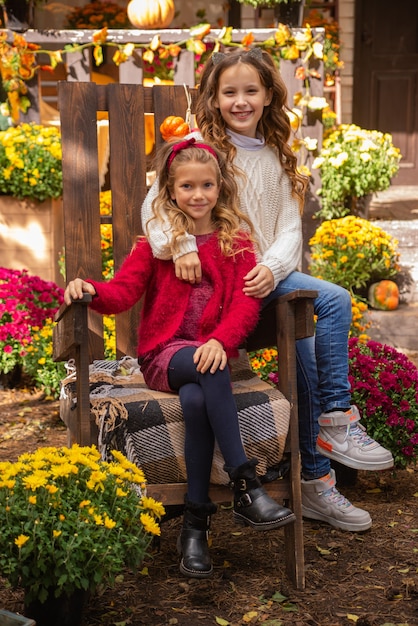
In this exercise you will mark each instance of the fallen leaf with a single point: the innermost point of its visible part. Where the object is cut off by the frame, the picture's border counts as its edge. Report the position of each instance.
(278, 597)
(221, 621)
(353, 618)
(249, 616)
(367, 568)
(323, 551)
(375, 490)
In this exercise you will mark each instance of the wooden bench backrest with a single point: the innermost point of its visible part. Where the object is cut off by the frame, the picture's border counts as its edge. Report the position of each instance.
(126, 106)
(289, 319)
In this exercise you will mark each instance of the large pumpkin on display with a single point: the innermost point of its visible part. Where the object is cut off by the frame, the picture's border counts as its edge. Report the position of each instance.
(151, 14)
(384, 295)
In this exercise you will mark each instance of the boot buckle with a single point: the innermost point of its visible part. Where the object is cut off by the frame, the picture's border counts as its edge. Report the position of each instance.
(241, 484)
(245, 500)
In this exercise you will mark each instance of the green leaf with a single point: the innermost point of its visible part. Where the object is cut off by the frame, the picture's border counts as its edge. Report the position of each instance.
(289, 607)
(278, 597)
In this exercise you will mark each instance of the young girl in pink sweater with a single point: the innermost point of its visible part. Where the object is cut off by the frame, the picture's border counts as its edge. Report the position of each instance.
(188, 331)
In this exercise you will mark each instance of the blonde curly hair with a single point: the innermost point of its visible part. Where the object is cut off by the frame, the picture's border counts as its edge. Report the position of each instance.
(227, 219)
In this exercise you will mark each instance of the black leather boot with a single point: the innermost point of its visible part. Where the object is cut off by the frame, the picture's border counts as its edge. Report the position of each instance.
(252, 505)
(192, 543)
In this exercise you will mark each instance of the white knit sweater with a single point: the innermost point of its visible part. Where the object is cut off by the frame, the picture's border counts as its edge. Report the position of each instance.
(266, 198)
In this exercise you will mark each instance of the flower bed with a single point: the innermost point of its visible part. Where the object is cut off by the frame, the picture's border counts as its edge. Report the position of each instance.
(27, 306)
(384, 386)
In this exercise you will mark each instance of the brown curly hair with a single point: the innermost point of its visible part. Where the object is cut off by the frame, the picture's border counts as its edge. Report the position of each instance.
(226, 216)
(274, 124)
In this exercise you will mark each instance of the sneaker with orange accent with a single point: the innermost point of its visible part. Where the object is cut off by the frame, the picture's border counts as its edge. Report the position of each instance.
(342, 438)
(322, 501)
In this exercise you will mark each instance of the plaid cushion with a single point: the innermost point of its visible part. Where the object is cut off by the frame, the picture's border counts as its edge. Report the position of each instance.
(148, 427)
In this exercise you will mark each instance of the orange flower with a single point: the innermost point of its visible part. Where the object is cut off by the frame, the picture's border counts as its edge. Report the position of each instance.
(247, 40)
(174, 50)
(100, 36)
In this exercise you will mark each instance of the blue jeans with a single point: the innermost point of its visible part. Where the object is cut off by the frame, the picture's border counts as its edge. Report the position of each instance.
(322, 364)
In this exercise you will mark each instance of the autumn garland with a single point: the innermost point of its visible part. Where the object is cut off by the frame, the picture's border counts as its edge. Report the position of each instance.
(18, 59)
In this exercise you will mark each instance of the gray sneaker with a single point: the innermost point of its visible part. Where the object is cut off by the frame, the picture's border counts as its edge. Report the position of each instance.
(342, 438)
(322, 501)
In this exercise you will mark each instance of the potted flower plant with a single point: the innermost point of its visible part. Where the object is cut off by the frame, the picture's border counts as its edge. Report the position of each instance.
(285, 11)
(354, 253)
(27, 305)
(98, 14)
(30, 162)
(384, 386)
(353, 164)
(71, 522)
(30, 198)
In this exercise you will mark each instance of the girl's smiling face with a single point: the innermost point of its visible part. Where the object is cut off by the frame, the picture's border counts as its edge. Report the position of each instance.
(196, 191)
(241, 98)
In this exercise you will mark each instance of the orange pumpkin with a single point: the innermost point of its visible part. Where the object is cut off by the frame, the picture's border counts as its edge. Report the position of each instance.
(174, 127)
(384, 295)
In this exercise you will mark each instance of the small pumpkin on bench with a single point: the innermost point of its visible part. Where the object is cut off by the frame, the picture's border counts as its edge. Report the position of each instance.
(174, 127)
(384, 295)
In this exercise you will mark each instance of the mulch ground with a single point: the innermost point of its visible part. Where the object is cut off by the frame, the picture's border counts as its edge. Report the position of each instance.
(368, 579)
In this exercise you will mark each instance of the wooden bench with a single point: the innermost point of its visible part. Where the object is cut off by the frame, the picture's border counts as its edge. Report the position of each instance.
(79, 331)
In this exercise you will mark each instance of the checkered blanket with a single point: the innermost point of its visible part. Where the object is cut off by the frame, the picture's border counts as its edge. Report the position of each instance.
(148, 427)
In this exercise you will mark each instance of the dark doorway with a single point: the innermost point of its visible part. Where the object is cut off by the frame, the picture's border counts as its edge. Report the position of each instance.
(385, 94)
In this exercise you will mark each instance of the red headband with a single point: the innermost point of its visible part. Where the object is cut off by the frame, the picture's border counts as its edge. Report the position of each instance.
(188, 143)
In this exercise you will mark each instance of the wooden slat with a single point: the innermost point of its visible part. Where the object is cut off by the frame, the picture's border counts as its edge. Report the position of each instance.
(169, 100)
(286, 342)
(81, 199)
(127, 167)
(173, 493)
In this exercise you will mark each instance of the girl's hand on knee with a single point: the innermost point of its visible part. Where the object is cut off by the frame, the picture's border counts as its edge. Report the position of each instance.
(188, 268)
(210, 356)
(259, 282)
(76, 288)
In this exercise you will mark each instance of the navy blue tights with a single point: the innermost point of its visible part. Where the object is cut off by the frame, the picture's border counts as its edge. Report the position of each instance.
(210, 414)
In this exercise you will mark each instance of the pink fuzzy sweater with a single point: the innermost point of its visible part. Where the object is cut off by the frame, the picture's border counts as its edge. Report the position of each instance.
(229, 316)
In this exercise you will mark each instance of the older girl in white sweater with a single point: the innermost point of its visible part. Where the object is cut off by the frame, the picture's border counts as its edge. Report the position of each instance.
(242, 110)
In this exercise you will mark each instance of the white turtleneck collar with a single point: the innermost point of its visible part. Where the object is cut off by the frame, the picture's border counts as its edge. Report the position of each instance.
(249, 143)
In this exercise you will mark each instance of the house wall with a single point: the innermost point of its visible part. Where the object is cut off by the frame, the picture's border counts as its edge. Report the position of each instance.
(346, 22)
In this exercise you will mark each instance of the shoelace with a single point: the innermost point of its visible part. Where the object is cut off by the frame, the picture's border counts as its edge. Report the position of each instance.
(358, 432)
(336, 497)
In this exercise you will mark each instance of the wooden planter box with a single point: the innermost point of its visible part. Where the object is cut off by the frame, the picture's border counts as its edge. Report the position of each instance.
(31, 236)
(13, 619)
